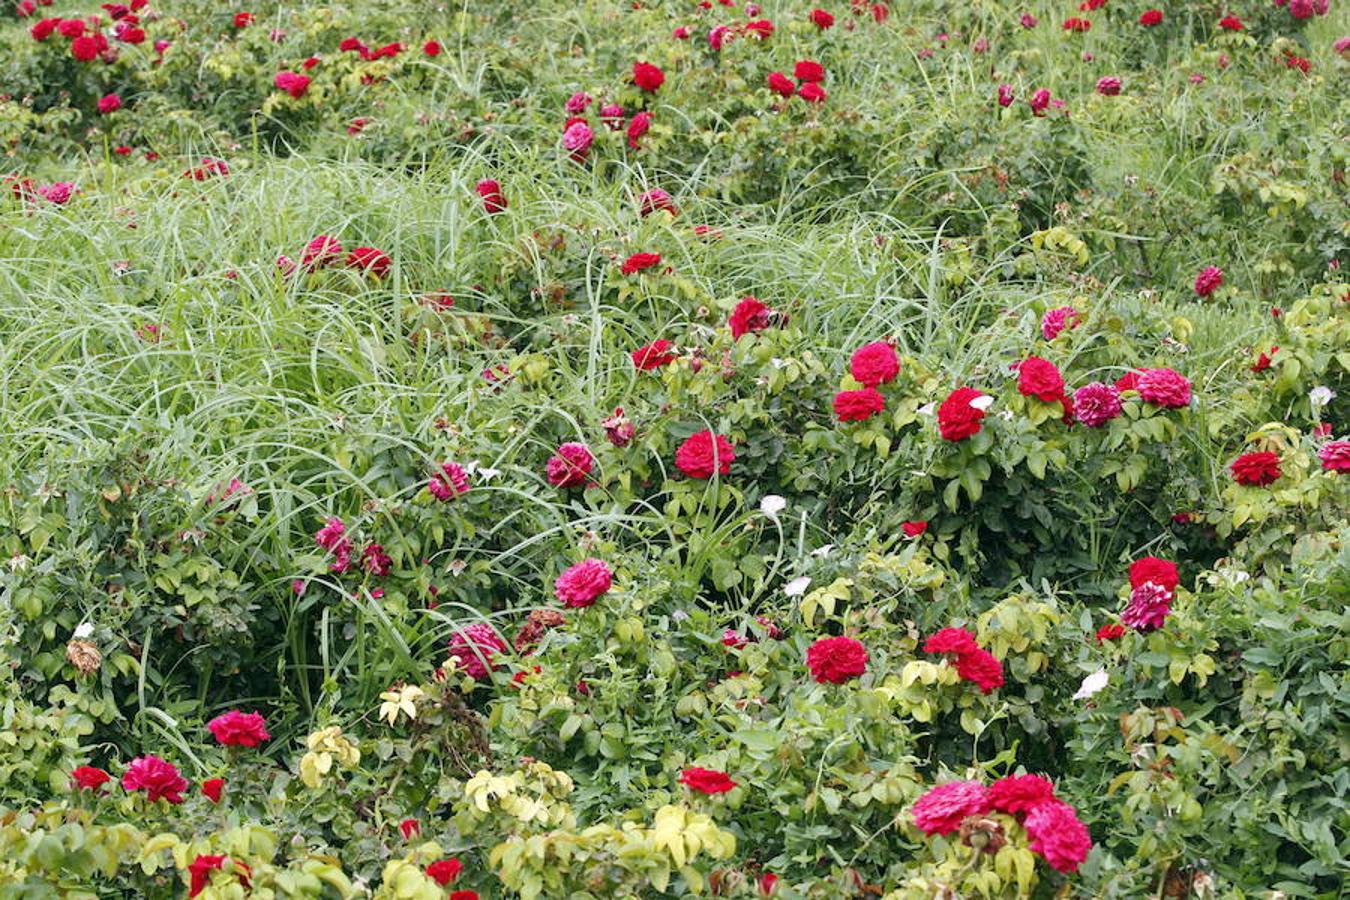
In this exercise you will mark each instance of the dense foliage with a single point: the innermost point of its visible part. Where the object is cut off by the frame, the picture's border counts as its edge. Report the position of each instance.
(662, 449)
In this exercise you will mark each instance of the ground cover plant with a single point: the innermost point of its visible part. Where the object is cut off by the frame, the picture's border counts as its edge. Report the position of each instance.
(662, 449)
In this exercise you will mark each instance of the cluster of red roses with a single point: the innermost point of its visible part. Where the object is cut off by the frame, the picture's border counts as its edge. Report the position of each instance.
(324, 252)
(964, 807)
(577, 134)
(87, 40)
(809, 73)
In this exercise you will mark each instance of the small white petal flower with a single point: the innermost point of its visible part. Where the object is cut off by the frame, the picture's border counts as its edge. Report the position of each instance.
(823, 551)
(1321, 395)
(772, 505)
(797, 586)
(928, 409)
(982, 402)
(1092, 684)
(84, 630)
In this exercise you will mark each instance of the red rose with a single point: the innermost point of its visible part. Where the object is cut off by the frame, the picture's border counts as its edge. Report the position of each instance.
(958, 419)
(463, 895)
(320, 252)
(809, 70)
(981, 667)
(1151, 568)
(213, 788)
(821, 19)
(706, 781)
(1020, 793)
(158, 778)
(648, 77)
(1151, 17)
(292, 83)
(88, 778)
(836, 659)
(781, 84)
(640, 262)
(432, 48)
(1037, 377)
(569, 465)
(494, 201)
(655, 355)
(913, 529)
(85, 48)
(856, 406)
(200, 870)
(1256, 469)
(704, 453)
(951, 640)
(812, 93)
(874, 364)
(109, 103)
(237, 729)
(368, 259)
(444, 871)
(639, 125)
(751, 315)
(1112, 632)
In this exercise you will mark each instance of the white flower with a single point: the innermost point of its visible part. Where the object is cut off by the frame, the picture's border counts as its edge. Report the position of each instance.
(1092, 684)
(823, 551)
(928, 409)
(772, 505)
(84, 630)
(474, 468)
(982, 402)
(1321, 395)
(797, 586)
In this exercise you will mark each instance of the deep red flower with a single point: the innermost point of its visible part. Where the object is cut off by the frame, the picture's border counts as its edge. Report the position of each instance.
(640, 262)
(239, 729)
(1076, 24)
(1039, 378)
(292, 83)
(656, 355)
(200, 870)
(812, 92)
(836, 659)
(1230, 23)
(213, 788)
(781, 84)
(914, 529)
(982, 668)
(322, 251)
(432, 48)
(1058, 836)
(1256, 469)
(1208, 281)
(409, 827)
(951, 640)
(494, 201)
(874, 364)
(370, 260)
(1110, 632)
(856, 406)
(958, 419)
(821, 19)
(444, 871)
(1020, 793)
(751, 314)
(761, 29)
(1159, 571)
(639, 125)
(704, 453)
(109, 103)
(569, 465)
(87, 48)
(1151, 17)
(809, 70)
(1265, 360)
(648, 77)
(158, 778)
(88, 778)
(706, 781)
(944, 806)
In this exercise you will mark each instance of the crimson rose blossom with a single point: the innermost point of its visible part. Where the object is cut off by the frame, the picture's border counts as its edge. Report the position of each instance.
(981, 668)
(1162, 387)
(370, 260)
(1256, 469)
(444, 871)
(704, 453)
(1112, 632)
(1153, 569)
(1020, 793)
(856, 406)
(1095, 404)
(1108, 86)
(321, 252)
(874, 364)
(809, 70)
(821, 19)
(836, 659)
(1056, 320)
(706, 781)
(1151, 17)
(88, 778)
(640, 262)
(812, 93)
(749, 315)
(1039, 378)
(157, 777)
(1208, 281)
(449, 482)
(648, 77)
(1148, 608)
(473, 647)
(1058, 836)
(1335, 456)
(639, 125)
(914, 529)
(292, 83)
(200, 869)
(432, 48)
(579, 585)
(494, 201)
(951, 640)
(655, 355)
(782, 85)
(569, 465)
(212, 788)
(109, 103)
(958, 416)
(239, 729)
(941, 809)
(655, 200)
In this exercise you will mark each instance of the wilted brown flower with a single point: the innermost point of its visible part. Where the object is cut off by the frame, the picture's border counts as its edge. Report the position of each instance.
(84, 656)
